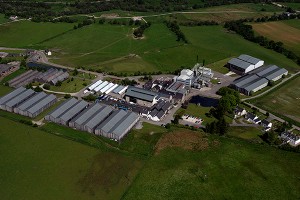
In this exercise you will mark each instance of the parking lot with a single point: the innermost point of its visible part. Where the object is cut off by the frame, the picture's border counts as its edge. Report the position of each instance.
(192, 119)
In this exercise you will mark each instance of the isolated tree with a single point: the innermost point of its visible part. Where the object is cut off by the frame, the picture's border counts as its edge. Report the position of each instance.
(46, 86)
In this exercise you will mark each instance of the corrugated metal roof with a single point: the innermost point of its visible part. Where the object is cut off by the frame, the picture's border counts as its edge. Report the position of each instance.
(94, 85)
(42, 103)
(129, 119)
(140, 93)
(63, 108)
(249, 59)
(87, 114)
(267, 70)
(104, 89)
(99, 117)
(118, 89)
(255, 84)
(20, 76)
(102, 85)
(20, 98)
(272, 72)
(160, 114)
(113, 119)
(32, 101)
(245, 80)
(239, 63)
(73, 111)
(112, 88)
(11, 95)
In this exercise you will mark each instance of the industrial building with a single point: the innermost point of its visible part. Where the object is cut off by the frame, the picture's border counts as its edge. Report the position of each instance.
(141, 96)
(159, 110)
(95, 118)
(64, 107)
(272, 73)
(186, 77)
(117, 125)
(250, 83)
(51, 76)
(6, 69)
(27, 102)
(258, 79)
(244, 64)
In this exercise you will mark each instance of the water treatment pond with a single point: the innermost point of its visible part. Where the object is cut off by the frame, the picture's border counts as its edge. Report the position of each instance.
(204, 101)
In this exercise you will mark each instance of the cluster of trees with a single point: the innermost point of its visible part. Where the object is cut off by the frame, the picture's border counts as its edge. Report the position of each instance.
(126, 81)
(140, 30)
(65, 19)
(276, 17)
(199, 23)
(174, 27)
(246, 31)
(229, 100)
(90, 98)
(85, 22)
(219, 127)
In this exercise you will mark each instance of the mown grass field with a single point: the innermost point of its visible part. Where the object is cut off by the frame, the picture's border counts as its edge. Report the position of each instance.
(221, 168)
(38, 165)
(284, 100)
(72, 86)
(247, 133)
(285, 31)
(112, 48)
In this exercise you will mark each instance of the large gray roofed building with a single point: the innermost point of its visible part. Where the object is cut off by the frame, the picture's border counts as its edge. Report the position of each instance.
(102, 114)
(63, 108)
(272, 72)
(240, 63)
(255, 84)
(111, 121)
(118, 89)
(11, 95)
(245, 80)
(140, 93)
(86, 114)
(41, 104)
(249, 59)
(129, 120)
(32, 101)
(72, 112)
(20, 98)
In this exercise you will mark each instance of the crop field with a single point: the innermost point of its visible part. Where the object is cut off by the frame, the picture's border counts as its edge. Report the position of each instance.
(187, 165)
(38, 165)
(284, 31)
(284, 100)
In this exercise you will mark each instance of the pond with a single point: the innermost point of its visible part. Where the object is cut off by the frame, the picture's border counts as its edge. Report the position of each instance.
(204, 101)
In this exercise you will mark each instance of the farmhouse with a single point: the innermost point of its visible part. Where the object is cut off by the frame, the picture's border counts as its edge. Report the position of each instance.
(244, 64)
(250, 117)
(141, 96)
(250, 83)
(290, 138)
(238, 112)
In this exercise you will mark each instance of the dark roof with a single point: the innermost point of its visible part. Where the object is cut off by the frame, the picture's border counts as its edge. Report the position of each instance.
(264, 121)
(154, 112)
(4, 67)
(250, 116)
(140, 93)
(160, 114)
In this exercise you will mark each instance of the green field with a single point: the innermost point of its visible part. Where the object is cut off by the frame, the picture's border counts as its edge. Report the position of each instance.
(247, 133)
(27, 34)
(3, 19)
(227, 169)
(72, 86)
(37, 165)
(4, 90)
(283, 100)
(112, 48)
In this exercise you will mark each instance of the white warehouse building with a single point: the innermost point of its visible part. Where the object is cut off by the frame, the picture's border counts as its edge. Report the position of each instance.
(244, 64)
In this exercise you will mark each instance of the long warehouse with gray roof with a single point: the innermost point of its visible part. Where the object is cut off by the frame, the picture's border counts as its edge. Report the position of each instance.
(27, 102)
(244, 64)
(95, 118)
(258, 79)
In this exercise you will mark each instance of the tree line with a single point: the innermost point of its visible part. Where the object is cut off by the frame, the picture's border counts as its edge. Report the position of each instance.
(174, 27)
(138, 32)
(247, 32)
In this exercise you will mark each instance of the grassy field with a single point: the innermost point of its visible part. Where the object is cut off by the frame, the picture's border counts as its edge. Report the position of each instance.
(72, 86)
(28, 34)
(112, 48)
(247, 133)
(286, 31)
(3, 19)
(283, 100)
(219, 168)
(4, 90)
(37, 165)
(295, 6)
